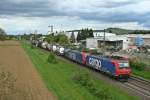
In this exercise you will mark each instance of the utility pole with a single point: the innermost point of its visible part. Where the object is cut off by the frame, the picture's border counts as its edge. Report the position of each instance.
(104, 41)
(35, 33)
(51, 28)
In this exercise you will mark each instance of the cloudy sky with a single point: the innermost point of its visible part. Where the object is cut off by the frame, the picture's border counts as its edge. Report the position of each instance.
(19, 16)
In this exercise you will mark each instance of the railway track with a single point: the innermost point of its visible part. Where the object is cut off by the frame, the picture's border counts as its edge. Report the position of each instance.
(140, 79)
(139, 84)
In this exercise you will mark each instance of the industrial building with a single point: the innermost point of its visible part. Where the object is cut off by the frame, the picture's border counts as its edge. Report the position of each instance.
(107, 40)
(110, 40)
(103, 39)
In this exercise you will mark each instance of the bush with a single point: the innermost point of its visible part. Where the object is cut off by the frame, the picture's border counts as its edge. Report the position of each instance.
(2, 37)
(52, 58)
(104, 94)
(86, 80)
(32, 46)
(93, 51)
(83, 78)
(136, 64)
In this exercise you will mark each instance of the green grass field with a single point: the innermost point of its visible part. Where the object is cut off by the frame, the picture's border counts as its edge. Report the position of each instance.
(145, 74)
(58, 78)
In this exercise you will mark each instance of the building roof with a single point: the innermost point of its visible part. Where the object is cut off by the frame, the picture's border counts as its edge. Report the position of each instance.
(81, 30)
(101, 34)
(110, 38)
(138, 35)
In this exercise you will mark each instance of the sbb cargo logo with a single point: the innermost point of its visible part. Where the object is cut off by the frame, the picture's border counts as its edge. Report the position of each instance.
(95, 62)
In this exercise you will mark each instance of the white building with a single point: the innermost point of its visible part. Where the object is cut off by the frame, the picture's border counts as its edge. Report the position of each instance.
(124, 41)
(110, 40)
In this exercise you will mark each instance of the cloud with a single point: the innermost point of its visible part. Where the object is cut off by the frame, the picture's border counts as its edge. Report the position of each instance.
(48, 8)
(70, 14)
(28, 8)
(19, 25)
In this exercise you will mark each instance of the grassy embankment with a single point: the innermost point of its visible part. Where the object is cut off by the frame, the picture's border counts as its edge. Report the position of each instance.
(145, 74)
(58, 78)
(139, 68)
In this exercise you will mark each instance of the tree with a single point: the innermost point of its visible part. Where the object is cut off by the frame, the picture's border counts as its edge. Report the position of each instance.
(91, 33)
(56, 38)
(79, 37)
(140, 32)
(2, 37)
(72, 38)
(110, 31)
(63, 39)
(50, 38)
(85, 33)
(2, 34)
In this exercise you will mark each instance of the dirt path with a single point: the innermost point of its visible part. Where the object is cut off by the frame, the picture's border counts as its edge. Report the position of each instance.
(18, 78)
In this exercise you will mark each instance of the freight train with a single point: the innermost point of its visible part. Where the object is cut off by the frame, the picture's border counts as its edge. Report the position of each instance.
(115, 66)
(118, 67)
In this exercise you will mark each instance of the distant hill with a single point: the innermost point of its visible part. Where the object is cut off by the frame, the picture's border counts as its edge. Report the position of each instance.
(120, 31)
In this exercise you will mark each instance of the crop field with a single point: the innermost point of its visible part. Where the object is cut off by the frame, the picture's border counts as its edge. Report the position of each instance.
(19, 80)
(58, 78)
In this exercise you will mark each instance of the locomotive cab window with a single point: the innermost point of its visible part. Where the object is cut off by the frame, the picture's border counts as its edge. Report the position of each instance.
(123, 65)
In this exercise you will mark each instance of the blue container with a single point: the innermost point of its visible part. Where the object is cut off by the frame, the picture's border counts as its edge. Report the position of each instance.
(100, 63)
(75, 56)
(139, 41)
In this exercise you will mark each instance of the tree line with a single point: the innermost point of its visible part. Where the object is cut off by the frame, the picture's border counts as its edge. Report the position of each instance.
(140, 32)
(84, 33)
(53, 38)
(61, 38)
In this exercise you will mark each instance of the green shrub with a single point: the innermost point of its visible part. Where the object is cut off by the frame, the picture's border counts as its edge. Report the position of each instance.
(88, 82)
(2, 37)
(92, 89)
(104, 94)
(138, 65)
(52, 58)
(32, 46)
(86, 50)
(83, 78)
(93, 51)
